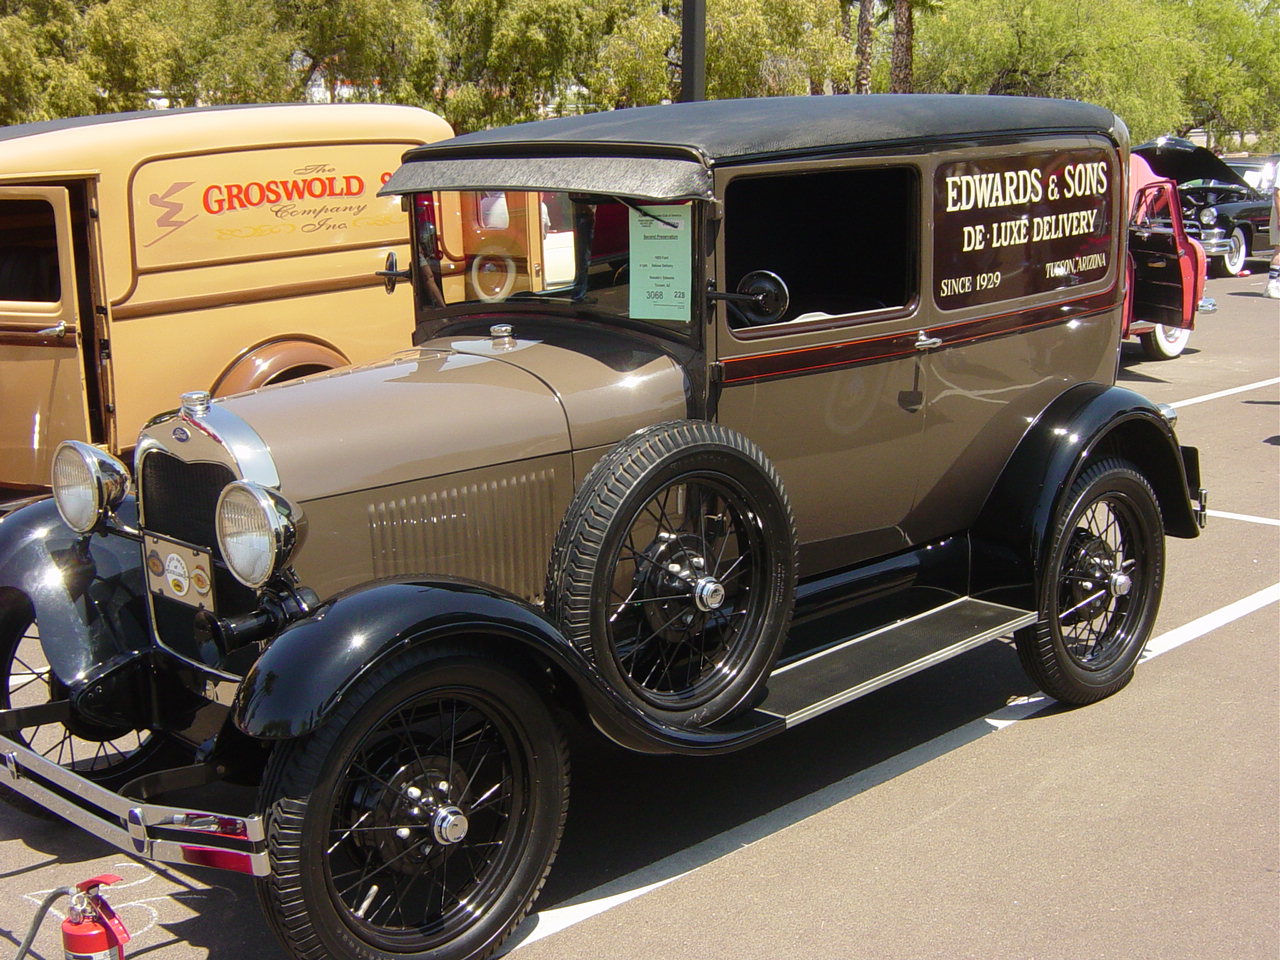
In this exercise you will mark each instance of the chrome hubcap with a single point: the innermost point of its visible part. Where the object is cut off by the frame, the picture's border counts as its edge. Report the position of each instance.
(1119, 584)
(449, 825)
(708, 594)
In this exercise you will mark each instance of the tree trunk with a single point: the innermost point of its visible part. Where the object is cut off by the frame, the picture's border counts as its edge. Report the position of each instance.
(903, 46)
(866, 34)
(841, 84)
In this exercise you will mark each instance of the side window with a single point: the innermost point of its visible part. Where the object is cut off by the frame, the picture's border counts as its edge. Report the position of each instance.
(843, 241)
(28, 252)
(1151, 210)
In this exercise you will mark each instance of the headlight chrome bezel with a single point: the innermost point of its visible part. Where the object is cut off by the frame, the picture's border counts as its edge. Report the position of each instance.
(107, 484)
(280, 527)
(1208, 216)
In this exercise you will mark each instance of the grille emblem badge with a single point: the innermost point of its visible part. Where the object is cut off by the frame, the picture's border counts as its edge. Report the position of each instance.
(181, 434)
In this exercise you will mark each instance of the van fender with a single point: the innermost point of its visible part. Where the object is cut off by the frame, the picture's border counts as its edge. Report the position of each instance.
(1088, 421)
(302, 676)
(87, 591)
(276, 360)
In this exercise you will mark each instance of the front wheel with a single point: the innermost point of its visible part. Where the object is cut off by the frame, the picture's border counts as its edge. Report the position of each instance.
(107, 755)
(1165, 343)
(1100, 587)
(421, 819)
(1232, 262)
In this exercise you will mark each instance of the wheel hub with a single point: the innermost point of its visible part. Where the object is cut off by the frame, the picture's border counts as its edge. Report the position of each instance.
(708, 594)
(413, 816)
(1095, 581)
(449, 825)
(673, 574)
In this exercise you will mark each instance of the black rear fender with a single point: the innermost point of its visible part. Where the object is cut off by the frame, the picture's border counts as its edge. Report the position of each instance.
(1086, 423)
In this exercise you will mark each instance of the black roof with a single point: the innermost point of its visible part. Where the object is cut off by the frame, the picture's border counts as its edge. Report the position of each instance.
(694, 137)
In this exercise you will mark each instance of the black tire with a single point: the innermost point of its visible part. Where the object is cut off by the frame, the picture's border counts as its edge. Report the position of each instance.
(1231, 263)
(675, 569)
(1101, 587)
(1165, 343)
(107, 755)
(361, 870)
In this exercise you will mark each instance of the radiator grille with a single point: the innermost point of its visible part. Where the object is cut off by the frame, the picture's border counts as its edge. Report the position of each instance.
(498, 532)
(179, 500)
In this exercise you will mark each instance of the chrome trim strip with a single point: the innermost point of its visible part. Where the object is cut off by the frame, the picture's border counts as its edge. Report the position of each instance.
(125, 823)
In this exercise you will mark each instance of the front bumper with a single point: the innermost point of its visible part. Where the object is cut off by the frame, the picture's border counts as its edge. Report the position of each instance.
(154, 832)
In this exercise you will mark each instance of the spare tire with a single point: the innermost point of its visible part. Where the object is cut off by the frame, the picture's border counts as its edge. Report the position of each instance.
(675, 568)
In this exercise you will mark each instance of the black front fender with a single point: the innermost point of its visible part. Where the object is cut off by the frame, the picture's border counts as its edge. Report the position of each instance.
(302, 676)
(1087, 422)
(87, 592)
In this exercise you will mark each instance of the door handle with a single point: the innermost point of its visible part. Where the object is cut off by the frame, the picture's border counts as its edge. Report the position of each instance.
(59, 331)
(927, 343)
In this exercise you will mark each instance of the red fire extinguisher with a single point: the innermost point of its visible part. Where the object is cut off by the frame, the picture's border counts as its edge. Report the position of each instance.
(92, 931)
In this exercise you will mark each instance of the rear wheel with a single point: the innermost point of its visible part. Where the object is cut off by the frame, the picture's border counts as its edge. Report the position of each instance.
(421, 819)
(1165, 343)
(1101, 587)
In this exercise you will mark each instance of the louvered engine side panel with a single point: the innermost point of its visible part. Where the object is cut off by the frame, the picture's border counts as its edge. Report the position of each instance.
(497, 531)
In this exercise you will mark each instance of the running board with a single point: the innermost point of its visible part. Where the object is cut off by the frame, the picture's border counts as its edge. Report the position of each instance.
(812, 685)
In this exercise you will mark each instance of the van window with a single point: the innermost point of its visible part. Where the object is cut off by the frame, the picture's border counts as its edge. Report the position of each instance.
(28, 252)
(844, 242)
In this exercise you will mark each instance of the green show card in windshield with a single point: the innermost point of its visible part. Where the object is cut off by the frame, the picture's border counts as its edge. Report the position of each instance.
(661, 262)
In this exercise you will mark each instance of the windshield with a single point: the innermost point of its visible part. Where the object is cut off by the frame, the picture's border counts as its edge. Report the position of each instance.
(611, 256)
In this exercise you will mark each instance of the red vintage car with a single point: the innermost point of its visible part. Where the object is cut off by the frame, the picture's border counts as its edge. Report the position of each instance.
(1160, 310)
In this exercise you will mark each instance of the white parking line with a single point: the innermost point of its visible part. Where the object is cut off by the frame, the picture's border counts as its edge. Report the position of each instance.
(617, 892)
(1248, 518)
(1226, 393)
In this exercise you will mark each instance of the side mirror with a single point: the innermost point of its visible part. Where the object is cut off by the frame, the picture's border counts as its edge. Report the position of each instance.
(762, 298)
(768, 297)
(391, 276)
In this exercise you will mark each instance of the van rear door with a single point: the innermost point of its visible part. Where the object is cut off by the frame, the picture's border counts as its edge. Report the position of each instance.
(42, 392)
(1163, 260)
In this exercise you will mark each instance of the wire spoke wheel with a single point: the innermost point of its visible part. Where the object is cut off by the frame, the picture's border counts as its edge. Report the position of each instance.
(674, 570)
(426, 820)
(100, 752)
(421, 819)
(1101, 587)
(687, 592)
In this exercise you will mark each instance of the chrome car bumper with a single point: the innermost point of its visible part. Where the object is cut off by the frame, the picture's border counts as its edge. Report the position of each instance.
(151, 831)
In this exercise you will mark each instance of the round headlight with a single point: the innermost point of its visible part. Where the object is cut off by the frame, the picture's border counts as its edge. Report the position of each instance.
(87, 484)
(257, 531)
(1208, 216)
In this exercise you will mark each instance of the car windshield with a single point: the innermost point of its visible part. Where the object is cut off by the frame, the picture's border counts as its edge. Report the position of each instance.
(612, 256)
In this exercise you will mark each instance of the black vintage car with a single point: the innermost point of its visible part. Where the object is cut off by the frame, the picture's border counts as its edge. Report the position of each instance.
(766, 405)
(1229, 217)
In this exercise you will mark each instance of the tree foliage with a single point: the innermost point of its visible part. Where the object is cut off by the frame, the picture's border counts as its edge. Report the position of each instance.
(1163, 65)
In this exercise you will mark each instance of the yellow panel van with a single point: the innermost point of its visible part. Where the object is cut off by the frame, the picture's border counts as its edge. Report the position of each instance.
(222, 248)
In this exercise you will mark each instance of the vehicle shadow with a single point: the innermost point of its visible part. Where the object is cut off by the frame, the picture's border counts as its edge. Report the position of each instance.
(629, 814)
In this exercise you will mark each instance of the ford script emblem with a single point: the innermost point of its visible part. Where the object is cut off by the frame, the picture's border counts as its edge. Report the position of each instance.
(181, 435)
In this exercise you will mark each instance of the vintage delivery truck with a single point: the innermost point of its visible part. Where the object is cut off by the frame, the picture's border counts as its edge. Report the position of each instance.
(824, 395)
(223, 248)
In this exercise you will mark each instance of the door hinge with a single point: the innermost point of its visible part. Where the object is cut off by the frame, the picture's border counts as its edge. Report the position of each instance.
(104, 349)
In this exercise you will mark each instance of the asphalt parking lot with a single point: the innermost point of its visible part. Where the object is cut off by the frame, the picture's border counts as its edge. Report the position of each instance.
(956, 814)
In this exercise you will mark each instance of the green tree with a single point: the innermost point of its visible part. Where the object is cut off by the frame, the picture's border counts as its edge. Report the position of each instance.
(1232, 83)
(1127, 55)
(754, 48)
